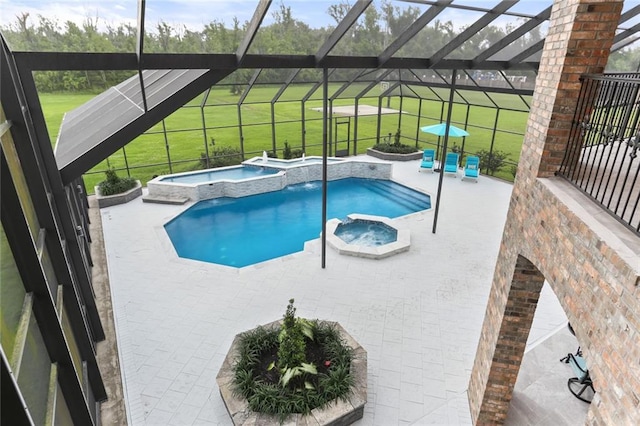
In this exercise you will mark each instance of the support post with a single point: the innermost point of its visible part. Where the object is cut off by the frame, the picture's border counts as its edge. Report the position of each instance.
(325, 96)
(444, 150)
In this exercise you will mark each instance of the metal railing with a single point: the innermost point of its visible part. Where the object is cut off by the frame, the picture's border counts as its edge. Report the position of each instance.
(601, 156)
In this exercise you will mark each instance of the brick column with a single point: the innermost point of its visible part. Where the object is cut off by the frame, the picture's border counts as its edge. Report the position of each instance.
(580, 36)
(517, 315)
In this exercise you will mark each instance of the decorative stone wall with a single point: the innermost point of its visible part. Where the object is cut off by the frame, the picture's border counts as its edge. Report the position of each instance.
(551, 233)
(269, 183)
(115, 199)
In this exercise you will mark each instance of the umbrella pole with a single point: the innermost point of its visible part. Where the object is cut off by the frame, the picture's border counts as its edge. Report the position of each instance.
(444, 149)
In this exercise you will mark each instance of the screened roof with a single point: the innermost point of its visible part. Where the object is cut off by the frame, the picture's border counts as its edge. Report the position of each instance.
(494, 46)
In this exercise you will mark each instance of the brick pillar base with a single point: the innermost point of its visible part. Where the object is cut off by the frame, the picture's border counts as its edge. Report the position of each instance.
(517, 316)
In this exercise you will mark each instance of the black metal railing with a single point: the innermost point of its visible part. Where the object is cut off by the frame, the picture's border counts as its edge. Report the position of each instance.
(601, 156)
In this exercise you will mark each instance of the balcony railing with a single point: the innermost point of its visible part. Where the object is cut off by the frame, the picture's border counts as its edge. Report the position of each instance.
(601, 157)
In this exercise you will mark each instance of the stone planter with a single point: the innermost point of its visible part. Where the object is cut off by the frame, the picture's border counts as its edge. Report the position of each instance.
(336, 413)
(125, 197)
(394, 157)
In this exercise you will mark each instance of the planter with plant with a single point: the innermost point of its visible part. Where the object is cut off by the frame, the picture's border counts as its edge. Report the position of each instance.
(394, 151)
(116, 190)
(297, 371)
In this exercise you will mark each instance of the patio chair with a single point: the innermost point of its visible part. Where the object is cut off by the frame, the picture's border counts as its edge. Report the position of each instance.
(428, 160)
(471, 168)
(451, 164)
(577, 385)
(565, 359)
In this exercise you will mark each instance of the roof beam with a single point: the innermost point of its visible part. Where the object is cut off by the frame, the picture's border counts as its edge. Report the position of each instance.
(249, 86)
(525, 92)
(626, 33)
(373, 84)
(252, 30)
(624, 43)
(471, 8)
(412, 30)
(348, 83)
(536, 47)
(513, 36)
(629, 14)
(140, 50)
(66, 61)
(284, 86)
(349, 19)
(315, 87)
(471, 31)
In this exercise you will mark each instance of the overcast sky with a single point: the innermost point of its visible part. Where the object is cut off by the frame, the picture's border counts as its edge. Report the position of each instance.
(192, 13)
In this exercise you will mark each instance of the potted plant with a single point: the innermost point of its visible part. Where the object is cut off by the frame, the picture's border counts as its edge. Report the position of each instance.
(294, 368)
(116, 190)
(394, 151)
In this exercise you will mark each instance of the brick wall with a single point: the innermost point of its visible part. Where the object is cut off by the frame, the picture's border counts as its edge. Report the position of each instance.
(596, 286)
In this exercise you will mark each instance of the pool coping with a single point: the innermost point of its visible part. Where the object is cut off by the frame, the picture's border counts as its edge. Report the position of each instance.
(402, 243)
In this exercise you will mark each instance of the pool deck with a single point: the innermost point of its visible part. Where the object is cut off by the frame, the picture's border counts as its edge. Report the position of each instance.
(418, 314)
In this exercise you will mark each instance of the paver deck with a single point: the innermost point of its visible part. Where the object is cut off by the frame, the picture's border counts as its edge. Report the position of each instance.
(418, 314)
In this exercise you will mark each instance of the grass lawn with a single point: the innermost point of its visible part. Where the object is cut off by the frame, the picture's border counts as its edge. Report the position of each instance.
(149, 154)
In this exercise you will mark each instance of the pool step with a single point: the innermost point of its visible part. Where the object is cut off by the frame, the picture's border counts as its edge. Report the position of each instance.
(164, 200)
(399, 194)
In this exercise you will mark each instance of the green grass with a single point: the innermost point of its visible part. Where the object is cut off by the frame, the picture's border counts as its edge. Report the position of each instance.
(147, 155)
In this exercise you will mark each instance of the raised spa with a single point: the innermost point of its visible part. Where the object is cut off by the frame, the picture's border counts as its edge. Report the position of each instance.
(374, 237)
(258, 176)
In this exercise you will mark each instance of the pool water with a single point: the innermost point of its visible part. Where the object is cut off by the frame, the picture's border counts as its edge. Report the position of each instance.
(366, 233)
(243, 231)
(234, 173)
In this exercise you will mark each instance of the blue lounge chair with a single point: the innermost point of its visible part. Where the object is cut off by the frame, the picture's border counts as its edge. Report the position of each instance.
(471, 168)
(428, 160)
(451, 164)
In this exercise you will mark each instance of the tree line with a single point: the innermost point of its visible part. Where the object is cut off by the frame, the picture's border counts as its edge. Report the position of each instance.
(369, 36)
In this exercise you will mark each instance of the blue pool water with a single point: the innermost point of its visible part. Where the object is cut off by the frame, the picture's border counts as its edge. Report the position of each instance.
(366, 233)
(234, 173)
(242, 231)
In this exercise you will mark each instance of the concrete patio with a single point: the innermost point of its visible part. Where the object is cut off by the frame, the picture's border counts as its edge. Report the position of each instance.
(418, 314)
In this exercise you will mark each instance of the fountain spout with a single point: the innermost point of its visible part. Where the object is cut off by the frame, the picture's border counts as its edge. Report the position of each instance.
(265, 157)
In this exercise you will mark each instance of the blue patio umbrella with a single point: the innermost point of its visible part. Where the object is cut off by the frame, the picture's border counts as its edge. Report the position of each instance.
(440, 129)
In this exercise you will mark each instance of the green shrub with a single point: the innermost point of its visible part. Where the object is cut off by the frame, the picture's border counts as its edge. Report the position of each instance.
(286, 152)
(221, 156)
(396, 138)
(492, 161)
(394, 149)
(291, 352)
(113, 184)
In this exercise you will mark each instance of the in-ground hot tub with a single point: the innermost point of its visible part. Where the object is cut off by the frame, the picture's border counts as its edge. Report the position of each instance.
(373, 237)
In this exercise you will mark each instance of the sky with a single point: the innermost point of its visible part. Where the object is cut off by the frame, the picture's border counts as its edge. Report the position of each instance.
(194, 14)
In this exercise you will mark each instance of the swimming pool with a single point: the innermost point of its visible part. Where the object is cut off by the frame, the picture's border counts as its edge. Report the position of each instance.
(243, 231)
